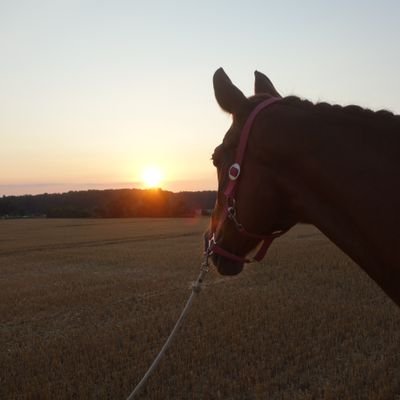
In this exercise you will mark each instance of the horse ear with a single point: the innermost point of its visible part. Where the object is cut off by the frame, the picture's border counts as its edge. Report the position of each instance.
(228, 96)
(263, 85)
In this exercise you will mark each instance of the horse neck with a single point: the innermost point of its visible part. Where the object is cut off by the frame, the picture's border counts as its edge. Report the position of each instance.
(341, 174)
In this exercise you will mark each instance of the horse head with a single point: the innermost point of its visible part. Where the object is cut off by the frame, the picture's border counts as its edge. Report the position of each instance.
(251, 207)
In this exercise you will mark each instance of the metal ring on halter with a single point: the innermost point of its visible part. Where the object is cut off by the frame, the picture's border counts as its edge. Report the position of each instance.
(238, 225)
(231, 206)
(234, 171)
(231, 212)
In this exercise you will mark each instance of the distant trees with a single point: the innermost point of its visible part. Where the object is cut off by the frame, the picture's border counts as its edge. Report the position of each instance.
(108, 204)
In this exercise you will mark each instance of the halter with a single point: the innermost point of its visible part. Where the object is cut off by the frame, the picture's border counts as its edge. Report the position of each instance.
(229, 211)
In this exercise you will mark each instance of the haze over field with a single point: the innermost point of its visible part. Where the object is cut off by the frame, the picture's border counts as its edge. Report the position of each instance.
(94, 93)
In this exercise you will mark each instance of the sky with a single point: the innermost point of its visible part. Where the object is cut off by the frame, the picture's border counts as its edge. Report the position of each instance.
(93, 91)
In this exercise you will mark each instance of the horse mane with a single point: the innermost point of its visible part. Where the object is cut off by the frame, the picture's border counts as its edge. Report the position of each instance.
(353, 111)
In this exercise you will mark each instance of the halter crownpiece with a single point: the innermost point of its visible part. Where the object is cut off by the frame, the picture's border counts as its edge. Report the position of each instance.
(229, 211)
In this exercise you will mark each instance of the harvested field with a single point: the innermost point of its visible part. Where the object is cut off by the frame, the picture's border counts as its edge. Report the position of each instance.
(86, 305)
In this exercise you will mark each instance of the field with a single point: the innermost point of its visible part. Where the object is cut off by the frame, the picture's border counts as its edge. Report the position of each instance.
(85, 306)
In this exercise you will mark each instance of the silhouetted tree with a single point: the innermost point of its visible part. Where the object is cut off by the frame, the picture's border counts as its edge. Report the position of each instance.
(108, 204)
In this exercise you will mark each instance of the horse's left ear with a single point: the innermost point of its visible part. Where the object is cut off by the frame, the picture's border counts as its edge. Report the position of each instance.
(228, 96)
(263, 85)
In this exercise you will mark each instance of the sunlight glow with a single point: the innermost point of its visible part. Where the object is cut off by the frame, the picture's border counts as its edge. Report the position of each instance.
(152, 176)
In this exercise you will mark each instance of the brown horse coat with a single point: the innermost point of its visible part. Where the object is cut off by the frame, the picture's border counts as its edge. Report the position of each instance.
(335, 167)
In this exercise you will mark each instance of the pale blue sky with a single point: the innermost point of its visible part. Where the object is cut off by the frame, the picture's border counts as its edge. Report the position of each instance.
(92, 91)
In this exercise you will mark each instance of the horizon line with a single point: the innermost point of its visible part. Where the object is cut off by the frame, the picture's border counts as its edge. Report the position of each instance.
(32, 189)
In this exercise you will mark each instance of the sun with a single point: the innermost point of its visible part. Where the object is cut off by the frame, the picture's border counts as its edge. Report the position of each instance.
(152, 176)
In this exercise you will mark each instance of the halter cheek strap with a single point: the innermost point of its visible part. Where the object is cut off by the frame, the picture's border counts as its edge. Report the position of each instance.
(229, 211)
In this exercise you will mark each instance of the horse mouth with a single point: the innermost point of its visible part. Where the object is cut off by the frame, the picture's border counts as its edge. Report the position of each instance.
(225, 266)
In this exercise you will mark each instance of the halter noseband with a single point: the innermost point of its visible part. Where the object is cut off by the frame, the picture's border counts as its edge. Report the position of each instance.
(229, 211)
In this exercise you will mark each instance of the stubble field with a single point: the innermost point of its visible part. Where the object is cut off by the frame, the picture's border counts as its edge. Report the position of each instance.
(85, 306)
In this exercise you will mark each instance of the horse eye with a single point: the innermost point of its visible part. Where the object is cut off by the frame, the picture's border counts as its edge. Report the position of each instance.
(218, 156)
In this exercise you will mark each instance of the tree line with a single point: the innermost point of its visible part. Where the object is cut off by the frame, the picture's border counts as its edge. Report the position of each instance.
(112, 203)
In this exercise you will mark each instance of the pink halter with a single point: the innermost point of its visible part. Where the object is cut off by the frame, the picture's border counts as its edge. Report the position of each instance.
(229, 192)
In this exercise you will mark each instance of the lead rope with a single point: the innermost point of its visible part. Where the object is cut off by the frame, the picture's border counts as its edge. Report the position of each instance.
(196, 288)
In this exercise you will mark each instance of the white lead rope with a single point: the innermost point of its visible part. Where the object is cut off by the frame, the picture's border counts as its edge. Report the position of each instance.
(196, 288)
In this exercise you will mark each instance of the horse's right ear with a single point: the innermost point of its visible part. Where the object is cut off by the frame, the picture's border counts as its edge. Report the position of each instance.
(228, 96)
(262, 85)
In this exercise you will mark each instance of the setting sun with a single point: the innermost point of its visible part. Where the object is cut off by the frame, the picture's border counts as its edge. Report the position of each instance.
(152, 176)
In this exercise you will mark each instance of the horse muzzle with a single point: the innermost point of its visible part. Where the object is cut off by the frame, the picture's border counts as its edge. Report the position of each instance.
(224, 265)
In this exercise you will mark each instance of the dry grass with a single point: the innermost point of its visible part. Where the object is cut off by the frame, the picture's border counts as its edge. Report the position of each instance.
(86, 304)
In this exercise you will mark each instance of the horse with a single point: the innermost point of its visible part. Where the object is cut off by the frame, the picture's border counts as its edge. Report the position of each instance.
(336, 167)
